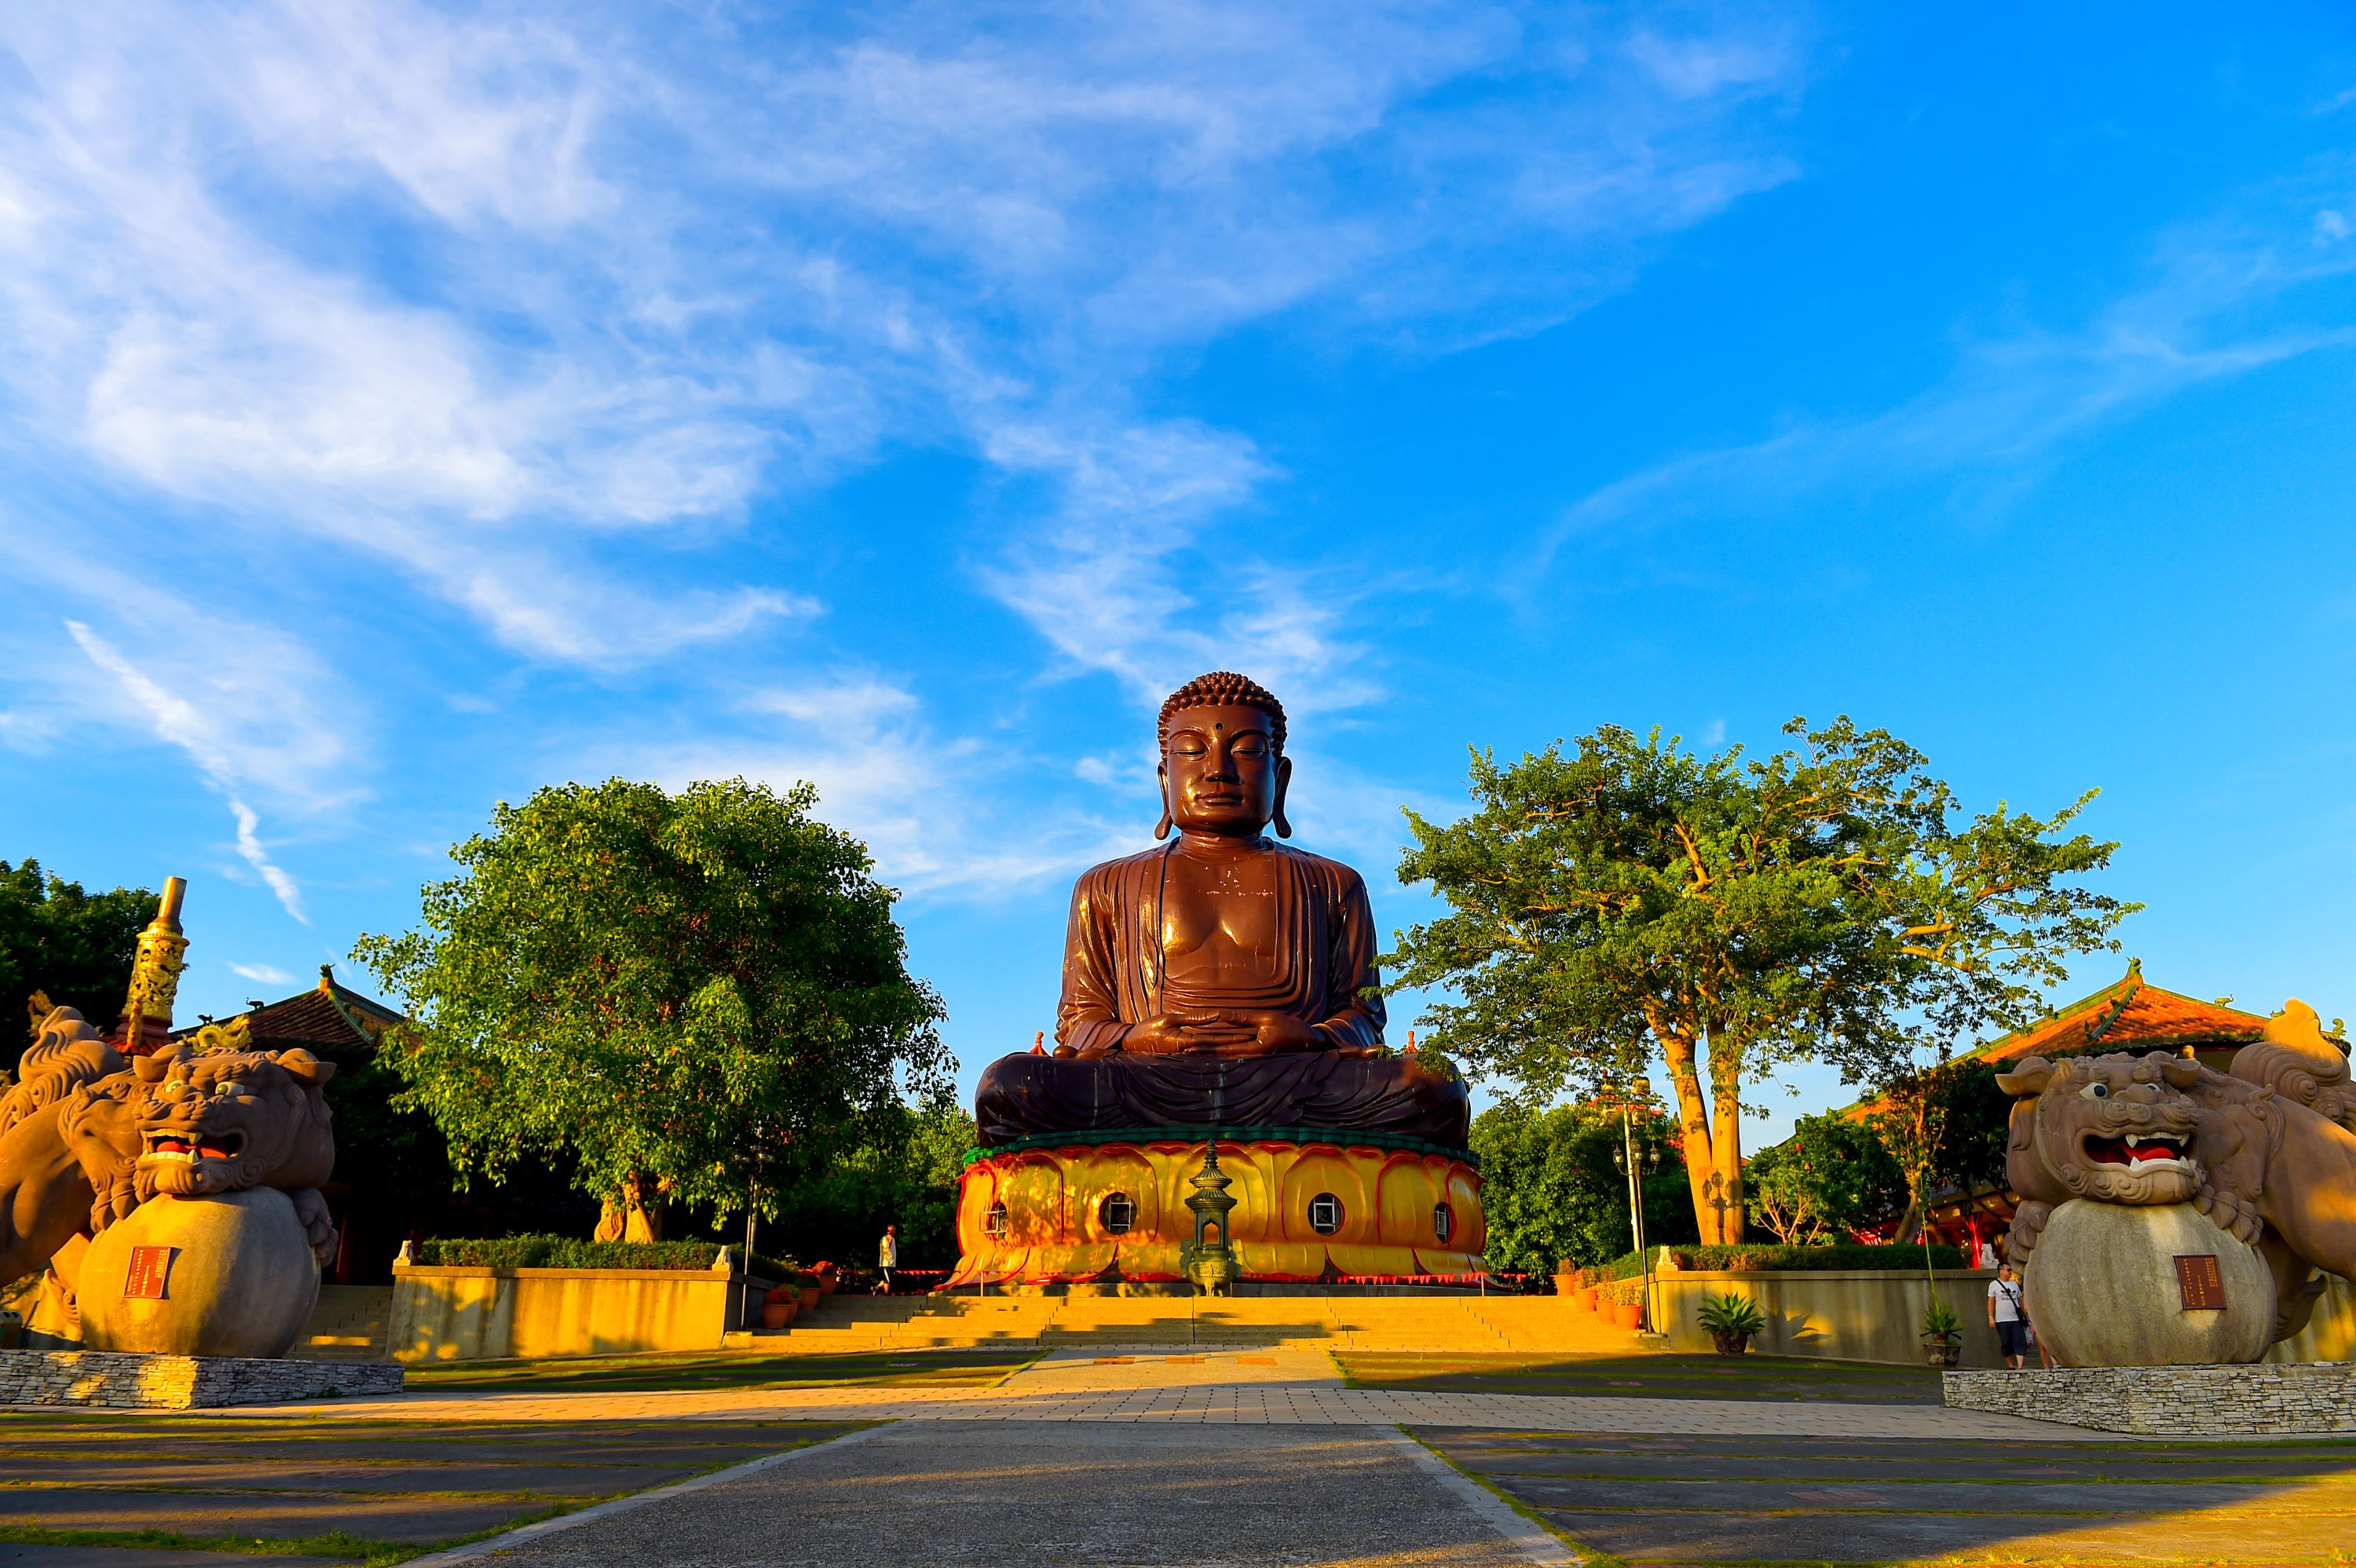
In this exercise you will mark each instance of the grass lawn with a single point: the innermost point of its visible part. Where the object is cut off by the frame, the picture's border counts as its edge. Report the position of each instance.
(1648, 1376)
(641, 1374)
(1727, 1499)
(80, 1487)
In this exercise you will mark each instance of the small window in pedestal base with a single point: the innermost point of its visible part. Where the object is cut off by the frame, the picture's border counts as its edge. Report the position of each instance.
(1117, 1214)
(1325, 1213)
(1443, 1222)
(993, 1223)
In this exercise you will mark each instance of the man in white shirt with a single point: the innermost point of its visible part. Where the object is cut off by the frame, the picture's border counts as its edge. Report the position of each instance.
(2008, 1317)
(887, 1258)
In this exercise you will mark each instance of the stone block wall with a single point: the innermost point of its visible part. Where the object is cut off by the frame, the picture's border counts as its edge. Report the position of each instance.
(1867, 1315)
(180, 1383)
(2267, 1400)
(454, 1313)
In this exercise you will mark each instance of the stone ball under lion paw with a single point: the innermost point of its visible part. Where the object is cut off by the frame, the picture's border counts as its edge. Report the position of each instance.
(2104, 1288)
(238, 1277)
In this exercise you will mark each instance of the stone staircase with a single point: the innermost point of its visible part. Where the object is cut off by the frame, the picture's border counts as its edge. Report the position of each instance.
(1409, 1324)
(347, 1324)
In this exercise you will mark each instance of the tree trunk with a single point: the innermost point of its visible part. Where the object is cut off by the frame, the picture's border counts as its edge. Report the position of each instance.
(1726, 1149)
(628, 1215)
(1693, 1119)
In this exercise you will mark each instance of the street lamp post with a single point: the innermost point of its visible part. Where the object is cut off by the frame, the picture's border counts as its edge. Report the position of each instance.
(1625, 1158)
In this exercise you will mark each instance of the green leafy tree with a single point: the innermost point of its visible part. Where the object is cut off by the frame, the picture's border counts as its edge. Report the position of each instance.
(74, 945)
(1628, 896)
(1553, 1196)
(1944, 1125)
(899, 1168)
(1830, 1180)
(674, 991)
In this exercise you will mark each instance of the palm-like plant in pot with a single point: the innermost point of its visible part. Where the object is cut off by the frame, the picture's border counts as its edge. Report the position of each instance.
(1943, 1334)
(1730, 1320)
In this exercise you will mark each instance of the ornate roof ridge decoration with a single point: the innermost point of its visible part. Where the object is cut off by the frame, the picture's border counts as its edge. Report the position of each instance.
(2130, 1011)
(328, 1017)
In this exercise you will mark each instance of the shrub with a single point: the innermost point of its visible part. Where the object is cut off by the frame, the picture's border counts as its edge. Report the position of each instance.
(571, 1252)
(1750, 1259)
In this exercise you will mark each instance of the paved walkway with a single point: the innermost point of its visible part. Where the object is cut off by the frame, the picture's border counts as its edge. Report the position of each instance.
(1046, 1493)
(1231, 1458)
(1283, 1387)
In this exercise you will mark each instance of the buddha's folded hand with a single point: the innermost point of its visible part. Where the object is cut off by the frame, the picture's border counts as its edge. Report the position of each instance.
(1178, 1030)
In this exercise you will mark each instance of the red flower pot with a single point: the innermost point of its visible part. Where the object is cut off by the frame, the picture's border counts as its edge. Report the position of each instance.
(1626, 1314)
(777, 1314)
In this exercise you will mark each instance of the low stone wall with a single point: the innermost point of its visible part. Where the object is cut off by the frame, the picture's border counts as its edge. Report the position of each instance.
(1864, 1315)
(2261, 1400)
(466, 1314)
(181, 1382)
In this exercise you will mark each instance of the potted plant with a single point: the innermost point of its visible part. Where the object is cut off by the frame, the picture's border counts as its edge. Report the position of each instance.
(826, 1277)
(1943, 1334)
(807, 1283)
(1627, 1314)
(1730, 1320)
(778, 1306)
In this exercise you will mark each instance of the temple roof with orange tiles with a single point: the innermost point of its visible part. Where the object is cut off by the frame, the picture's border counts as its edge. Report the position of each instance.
(2130, 1014)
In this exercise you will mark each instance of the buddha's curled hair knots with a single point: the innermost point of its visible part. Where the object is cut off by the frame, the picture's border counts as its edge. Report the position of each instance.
(1223, 688)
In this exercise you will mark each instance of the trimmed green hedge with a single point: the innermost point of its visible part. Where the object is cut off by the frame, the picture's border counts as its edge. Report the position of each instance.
(572, 1252)
(1754, 1259)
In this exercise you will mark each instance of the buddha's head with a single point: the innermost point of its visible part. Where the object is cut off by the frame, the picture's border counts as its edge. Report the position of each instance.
(1223, 770)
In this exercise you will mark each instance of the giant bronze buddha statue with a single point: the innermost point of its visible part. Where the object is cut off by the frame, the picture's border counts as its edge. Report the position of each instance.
(1222, 985)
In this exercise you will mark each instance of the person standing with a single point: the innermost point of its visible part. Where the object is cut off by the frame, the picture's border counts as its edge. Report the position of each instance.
(2007, 1316)
(888, 1258)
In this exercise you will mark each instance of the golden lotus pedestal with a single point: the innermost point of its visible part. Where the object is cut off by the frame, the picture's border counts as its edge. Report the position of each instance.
(1109, 1210)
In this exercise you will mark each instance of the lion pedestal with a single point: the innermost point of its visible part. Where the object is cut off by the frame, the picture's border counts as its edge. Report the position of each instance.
(2104, 1289)
(232, 1276)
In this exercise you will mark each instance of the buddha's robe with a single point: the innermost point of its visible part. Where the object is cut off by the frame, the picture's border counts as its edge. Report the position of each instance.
(1318, 965)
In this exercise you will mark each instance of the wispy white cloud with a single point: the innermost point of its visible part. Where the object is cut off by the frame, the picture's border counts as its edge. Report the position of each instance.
(1122, 581)
(262, 974)
(540, 305)
(249, 849)
(932, 808)
(221, 713)
(2013, 399)
(647, 267)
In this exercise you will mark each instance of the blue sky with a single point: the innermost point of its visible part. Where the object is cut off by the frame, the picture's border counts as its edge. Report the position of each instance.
(403, 407)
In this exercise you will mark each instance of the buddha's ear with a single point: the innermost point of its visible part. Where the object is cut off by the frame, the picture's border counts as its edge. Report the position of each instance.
(1161, 828)
(1283, 780)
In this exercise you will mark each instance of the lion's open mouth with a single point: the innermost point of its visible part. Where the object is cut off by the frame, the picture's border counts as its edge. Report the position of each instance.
(197, 1145)
(2137, 1149)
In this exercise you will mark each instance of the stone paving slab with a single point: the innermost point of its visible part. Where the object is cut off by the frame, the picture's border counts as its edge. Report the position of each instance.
(1031, 1495)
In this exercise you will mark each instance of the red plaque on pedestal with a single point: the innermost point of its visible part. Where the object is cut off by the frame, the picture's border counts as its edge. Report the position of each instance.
(150, 1267)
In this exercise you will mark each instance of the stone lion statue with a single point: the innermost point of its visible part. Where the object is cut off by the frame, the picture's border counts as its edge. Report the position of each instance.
(2267, 1151)
(86, 1137)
